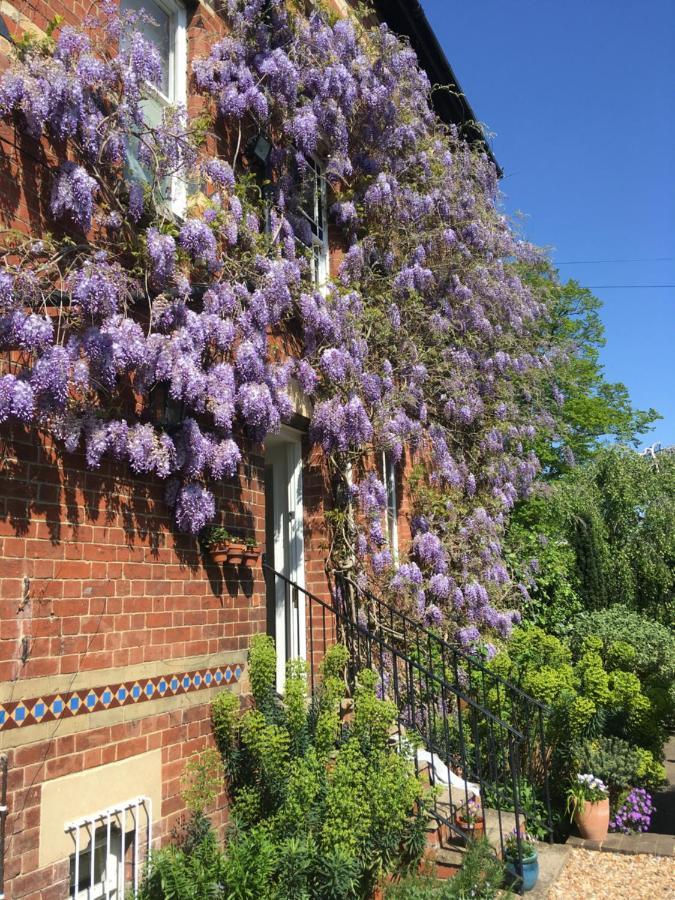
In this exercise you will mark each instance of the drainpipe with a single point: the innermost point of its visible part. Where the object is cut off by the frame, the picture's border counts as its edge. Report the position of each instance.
(3, 817)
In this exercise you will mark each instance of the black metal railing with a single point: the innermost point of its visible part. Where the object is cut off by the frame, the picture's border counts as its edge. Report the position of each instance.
(464, 726)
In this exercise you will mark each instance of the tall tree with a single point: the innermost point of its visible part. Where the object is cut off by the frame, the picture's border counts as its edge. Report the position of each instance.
(588, 410)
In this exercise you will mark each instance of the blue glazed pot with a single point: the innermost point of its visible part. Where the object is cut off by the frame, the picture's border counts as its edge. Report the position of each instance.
(530, 871)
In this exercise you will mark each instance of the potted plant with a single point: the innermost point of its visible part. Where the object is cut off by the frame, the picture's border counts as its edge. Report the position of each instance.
(529, 861)
(470, 818)
(588, 805)
(222, 546)
(251, 552)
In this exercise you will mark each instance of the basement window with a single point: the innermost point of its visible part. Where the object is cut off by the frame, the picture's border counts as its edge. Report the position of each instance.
(112, 848)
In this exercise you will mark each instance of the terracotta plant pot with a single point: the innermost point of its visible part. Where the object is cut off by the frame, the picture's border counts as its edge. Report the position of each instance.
(251, 556)
(218, 553)
(235, 554)
(476, 829)
(593, 821)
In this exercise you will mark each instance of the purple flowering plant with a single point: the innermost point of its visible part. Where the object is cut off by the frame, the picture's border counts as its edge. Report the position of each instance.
(634, 812)
(427, 344)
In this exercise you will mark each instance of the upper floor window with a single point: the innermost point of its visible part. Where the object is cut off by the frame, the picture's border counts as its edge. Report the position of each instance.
(312, 207)
(389, 473)
(167, 31)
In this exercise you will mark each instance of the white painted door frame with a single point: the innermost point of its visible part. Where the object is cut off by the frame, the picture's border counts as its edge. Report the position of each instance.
(289, 550)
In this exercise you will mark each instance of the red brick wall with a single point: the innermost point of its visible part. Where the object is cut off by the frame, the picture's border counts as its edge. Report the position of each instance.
(179, 734)
(101, 564)
(93, 577)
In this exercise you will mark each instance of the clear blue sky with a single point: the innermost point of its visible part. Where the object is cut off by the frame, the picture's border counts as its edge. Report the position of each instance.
(580, 95)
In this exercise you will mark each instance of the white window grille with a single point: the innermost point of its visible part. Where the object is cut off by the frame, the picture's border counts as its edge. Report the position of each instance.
(312, 206)
(389, 475)
(108, 845)
(167, 31)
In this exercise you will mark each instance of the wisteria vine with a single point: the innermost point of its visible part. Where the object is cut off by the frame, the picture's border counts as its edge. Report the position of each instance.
(425, 344)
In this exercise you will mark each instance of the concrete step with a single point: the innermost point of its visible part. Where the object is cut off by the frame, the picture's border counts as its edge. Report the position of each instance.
(445, 850)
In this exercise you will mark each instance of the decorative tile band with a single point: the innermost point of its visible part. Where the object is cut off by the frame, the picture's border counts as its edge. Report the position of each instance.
(67, 704)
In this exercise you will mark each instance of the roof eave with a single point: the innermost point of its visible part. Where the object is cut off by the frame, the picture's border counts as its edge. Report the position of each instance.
(407, 17)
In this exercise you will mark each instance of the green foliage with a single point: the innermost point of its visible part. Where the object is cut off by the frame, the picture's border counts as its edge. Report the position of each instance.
(652, 644)
(592, 410)
(336, 874)
(194, 871)
(500, 796)
(262, 662)
(480, 878)
(321, 811)
(225, 720)
(202, 781)
(605, 531)
(591, 701)
(620, 765)
(633, 643)
(215, 534)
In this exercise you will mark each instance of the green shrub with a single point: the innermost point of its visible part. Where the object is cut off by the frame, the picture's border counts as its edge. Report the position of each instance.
(620, 765)
(321, 810)
(480, 878)
(651, 656)
(193, 871)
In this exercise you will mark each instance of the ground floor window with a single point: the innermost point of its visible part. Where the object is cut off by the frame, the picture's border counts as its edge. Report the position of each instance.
(111, 848)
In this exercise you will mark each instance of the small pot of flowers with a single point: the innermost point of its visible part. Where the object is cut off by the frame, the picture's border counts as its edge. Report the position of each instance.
(221, 546)
(527, 869)
(470, 818)
(588, 805)
(252, 552)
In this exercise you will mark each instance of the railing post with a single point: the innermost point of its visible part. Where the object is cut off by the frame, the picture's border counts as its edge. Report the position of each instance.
(515, 784)
(544, 765)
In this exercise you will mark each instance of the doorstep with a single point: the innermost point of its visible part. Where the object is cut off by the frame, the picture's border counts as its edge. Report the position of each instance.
(632, 844)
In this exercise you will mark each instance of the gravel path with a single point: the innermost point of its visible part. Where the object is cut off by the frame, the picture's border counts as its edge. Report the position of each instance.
(590, 875)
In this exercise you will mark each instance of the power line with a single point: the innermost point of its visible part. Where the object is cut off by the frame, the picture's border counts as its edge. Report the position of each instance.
(638, 287)
(592, 262)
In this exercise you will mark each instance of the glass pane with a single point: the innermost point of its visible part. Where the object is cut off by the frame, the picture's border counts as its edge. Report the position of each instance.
(159, 34)
(152, 114)
(107, 867)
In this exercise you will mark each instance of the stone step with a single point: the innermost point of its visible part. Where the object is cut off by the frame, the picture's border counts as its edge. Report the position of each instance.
(498, 825)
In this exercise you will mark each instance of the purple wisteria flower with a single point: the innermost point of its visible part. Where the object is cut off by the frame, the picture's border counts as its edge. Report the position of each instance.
(197, 239)
(16, 399)
(73, 194)
(408, 576)
(220, 172)
(194, 506)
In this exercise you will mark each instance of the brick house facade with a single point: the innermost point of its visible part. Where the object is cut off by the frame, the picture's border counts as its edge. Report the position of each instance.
(115, 632)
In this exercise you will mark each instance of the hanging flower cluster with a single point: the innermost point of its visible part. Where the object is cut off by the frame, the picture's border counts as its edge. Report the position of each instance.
(426, 342)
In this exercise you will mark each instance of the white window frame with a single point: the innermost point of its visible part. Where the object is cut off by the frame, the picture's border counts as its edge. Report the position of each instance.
(106, 831)
(178, 84)
(391, 514)
(319, 224)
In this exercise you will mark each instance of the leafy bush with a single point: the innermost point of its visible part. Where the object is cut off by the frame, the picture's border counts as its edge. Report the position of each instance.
(635, 643)
(195, 870)
(531, 805)
(587, 698)
(620, 765)
(320, 810)
(480, 878)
